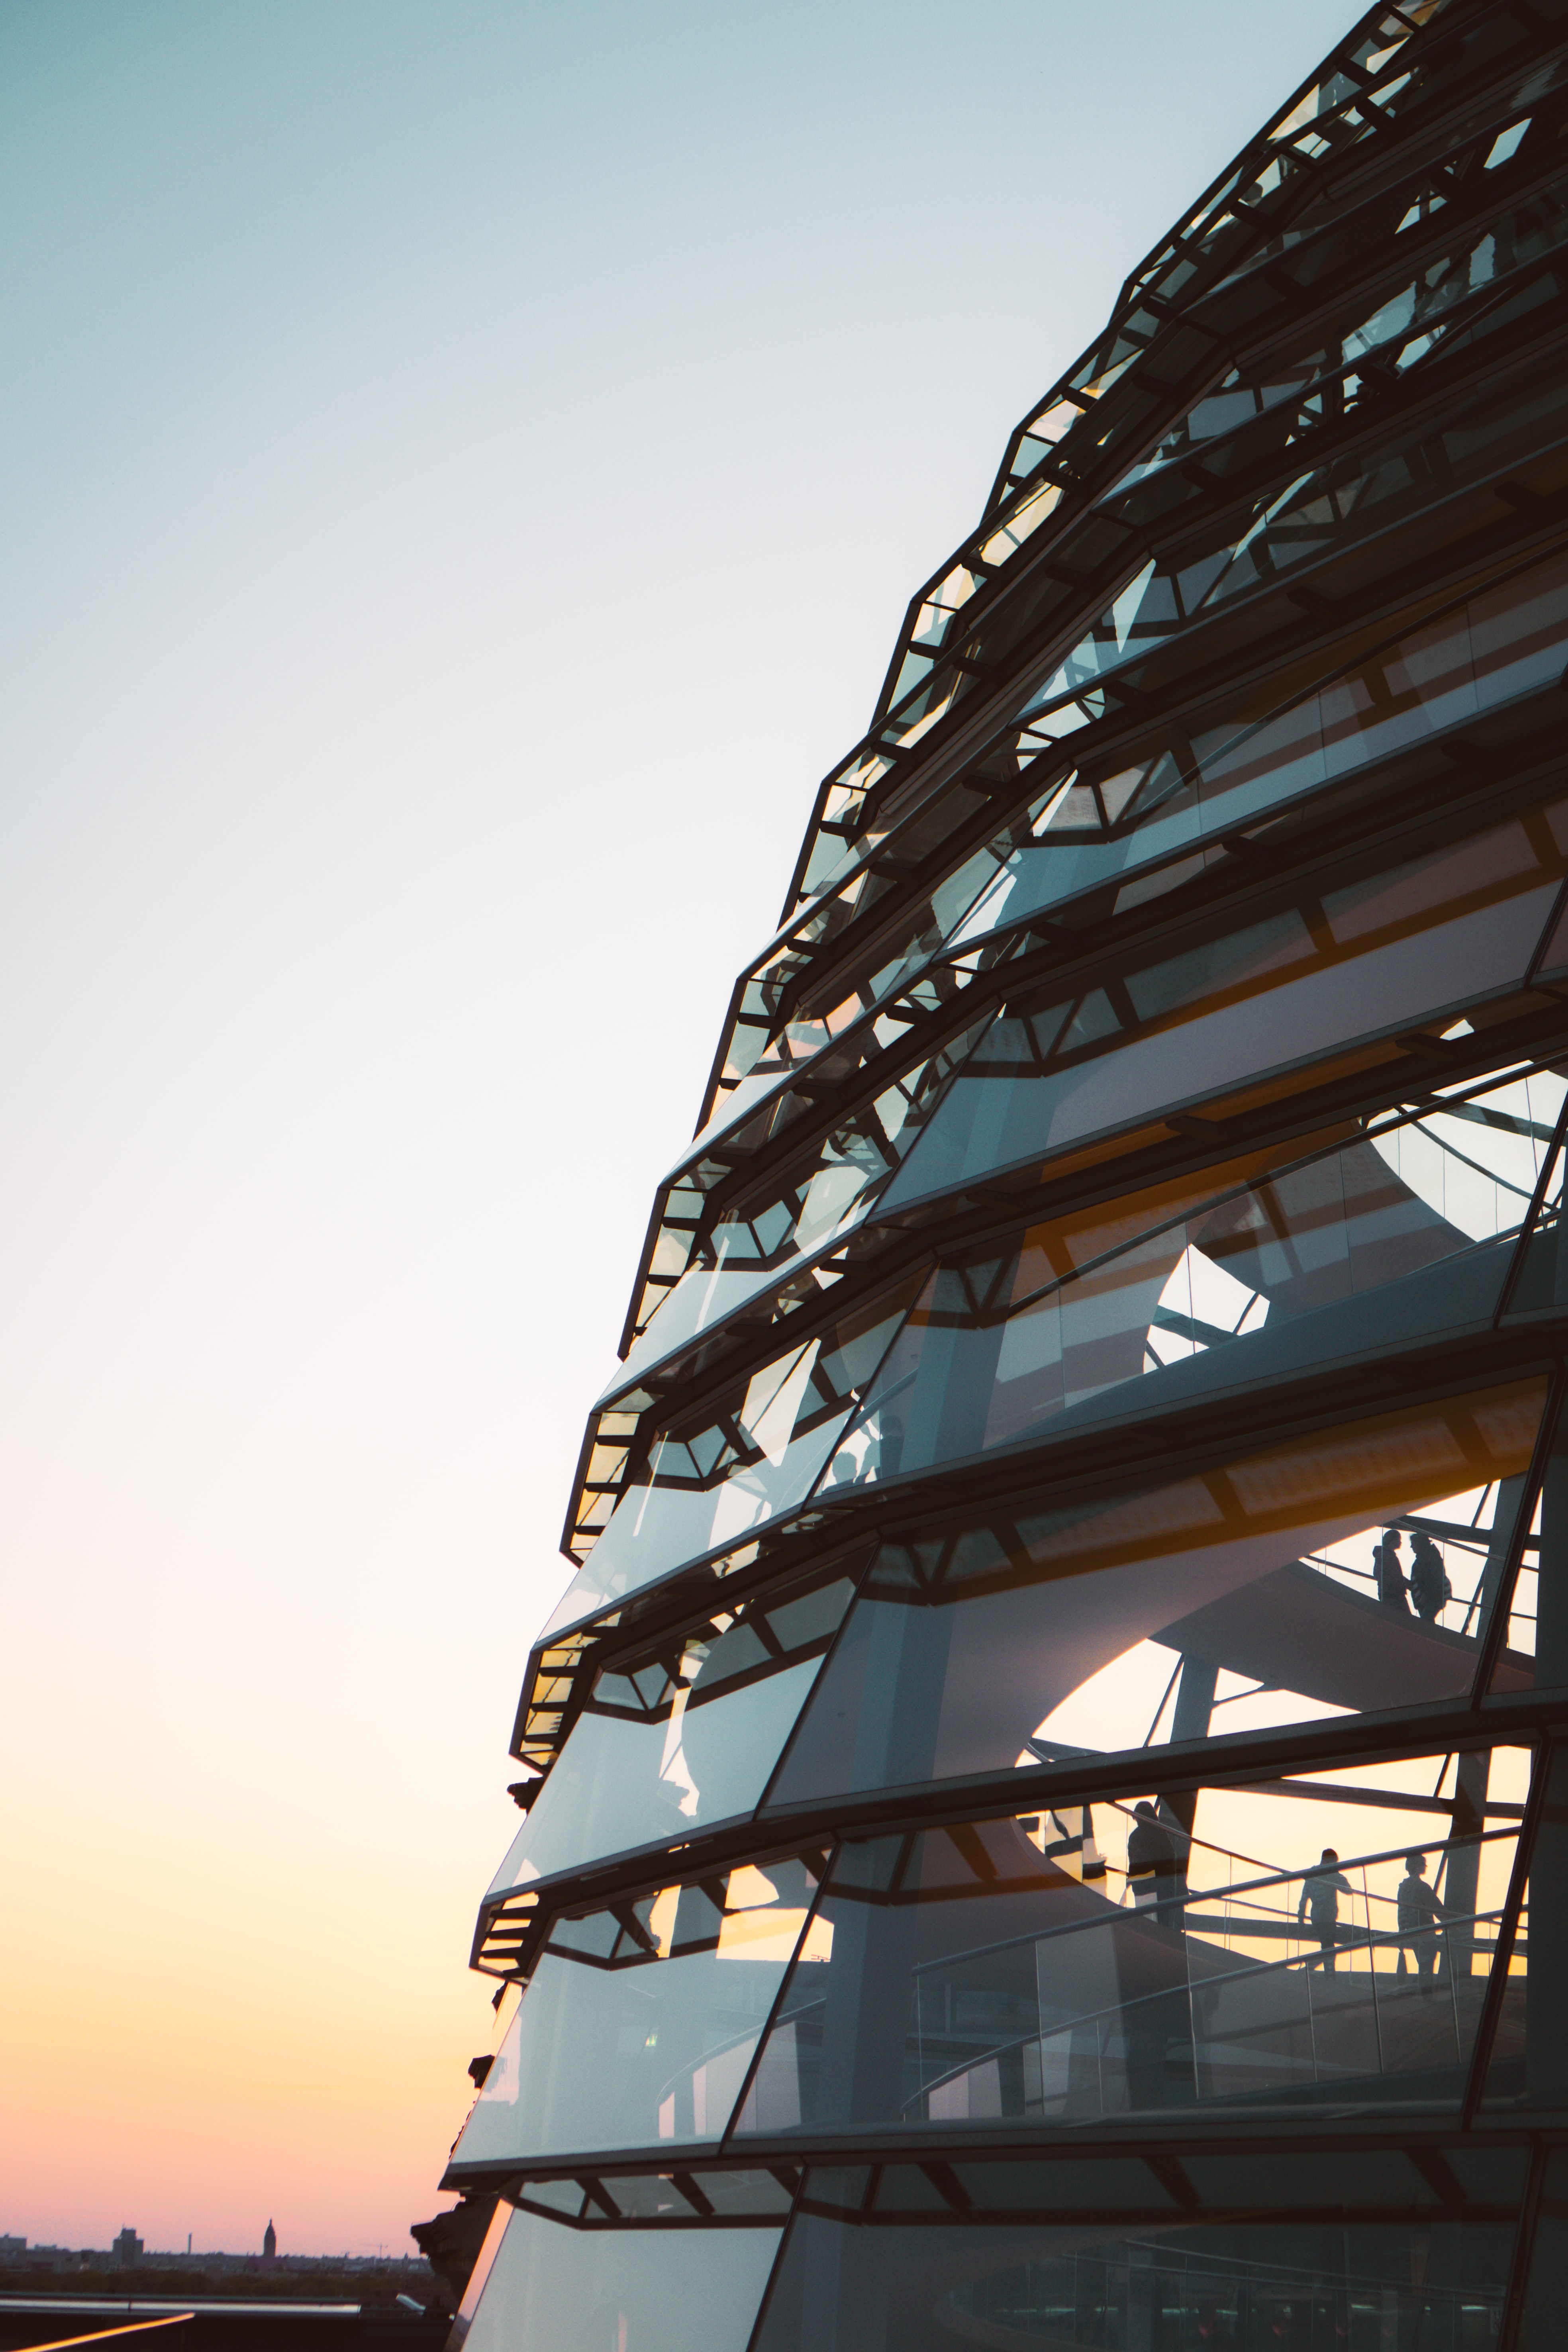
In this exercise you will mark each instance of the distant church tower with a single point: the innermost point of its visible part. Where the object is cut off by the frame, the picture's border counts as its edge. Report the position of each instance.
(270, 2244)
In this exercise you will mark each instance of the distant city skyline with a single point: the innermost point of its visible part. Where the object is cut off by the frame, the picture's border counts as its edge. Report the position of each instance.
(128, 2248)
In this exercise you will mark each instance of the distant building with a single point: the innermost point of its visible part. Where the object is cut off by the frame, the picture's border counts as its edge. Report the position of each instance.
(126, 2249)
(270, 2244)
(12, 2249)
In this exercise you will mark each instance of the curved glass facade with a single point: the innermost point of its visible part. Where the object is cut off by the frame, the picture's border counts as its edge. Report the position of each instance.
(1035, 1791)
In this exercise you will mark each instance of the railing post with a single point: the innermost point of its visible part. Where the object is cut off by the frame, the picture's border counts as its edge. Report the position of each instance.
(1372, 1966)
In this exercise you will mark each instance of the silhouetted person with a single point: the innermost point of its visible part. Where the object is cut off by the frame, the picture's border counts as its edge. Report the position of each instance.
(1151, 1862)
(1419, 1915)
(1320, 1892)
(1157, 2018)
(1430, 1591)
(1390, 1586)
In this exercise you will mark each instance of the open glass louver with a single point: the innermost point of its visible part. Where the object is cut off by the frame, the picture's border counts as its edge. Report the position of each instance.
(1041, 1795)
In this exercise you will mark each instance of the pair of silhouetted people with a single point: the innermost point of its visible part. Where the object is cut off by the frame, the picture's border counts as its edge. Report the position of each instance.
(1417, 1909)
(1426, 1590)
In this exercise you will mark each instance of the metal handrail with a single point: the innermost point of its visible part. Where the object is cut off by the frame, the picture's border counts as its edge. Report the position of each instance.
(1305, 1961)
(1216, 1894)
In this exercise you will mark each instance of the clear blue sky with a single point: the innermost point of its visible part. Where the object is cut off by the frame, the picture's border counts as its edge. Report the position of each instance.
(461, 469)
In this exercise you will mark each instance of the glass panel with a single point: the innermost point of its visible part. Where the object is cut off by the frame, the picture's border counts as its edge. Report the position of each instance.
(1084, 1303)
(478, 2276)
(623, 2290)
(1535, 1653)
(1389, 2282)
(1546, 2292)
(825, 1193)
(1082, 832)
(1384, 953)
(1530, 2055)
(1301, 1940)
(705, 1296)
(785, 1021)
(1333, 504)
(760, 2195)
(1506, 641)
(637, 2024)
(747, 1454)
(1260, 1593)
(568, 2198)
(1254, 2183)
(1299, 520)
(664, 2196)
(1404, 327)
(1518, 1664)
(682, 1740)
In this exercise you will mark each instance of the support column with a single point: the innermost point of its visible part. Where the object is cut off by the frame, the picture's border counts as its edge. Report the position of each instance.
(1461, 1879)
(1142, 2284)
(1195, 1705)
(1546, 1934)
(1546, 1946)
(1509, 1492)
(1194, 1699)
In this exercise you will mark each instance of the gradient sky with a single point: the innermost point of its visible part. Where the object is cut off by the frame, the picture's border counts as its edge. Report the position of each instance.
(462, 468)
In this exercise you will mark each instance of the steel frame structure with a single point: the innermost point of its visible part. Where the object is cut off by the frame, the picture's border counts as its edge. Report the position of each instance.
(1015, 1846)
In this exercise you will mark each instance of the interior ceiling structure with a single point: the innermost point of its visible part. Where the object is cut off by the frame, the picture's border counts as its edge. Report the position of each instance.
(1031, 1797)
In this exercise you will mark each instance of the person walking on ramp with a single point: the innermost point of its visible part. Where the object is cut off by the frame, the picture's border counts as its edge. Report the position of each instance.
(1320, 1892)
(1419, 1915)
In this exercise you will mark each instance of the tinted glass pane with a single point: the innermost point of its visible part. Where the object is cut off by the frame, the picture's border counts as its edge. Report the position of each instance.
(1529, 2056)
(1400, 948)
(1286, 1247)
(1265, 1592)
(1546, 2291)
(750, 2196)
(703, 1298)
(748, 1454)
(1508, 642)
(1294, 524)
(1255, 2181)
(622, 2290)
(1080, 832)
(1306, 521)
(1247, 2283)
(1438, 302)
(681, 1740)
(478, 2277)
(784, 1021)
(1535, 1649)
(1090, 829)
(1235, 1947)
(662, 2197)
(637, 2025)
(824, 1191)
